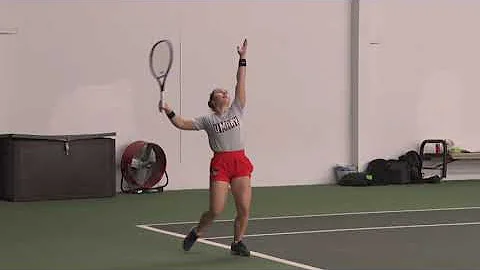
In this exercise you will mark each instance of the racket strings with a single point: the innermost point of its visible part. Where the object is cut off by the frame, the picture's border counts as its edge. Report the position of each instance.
(161, 59)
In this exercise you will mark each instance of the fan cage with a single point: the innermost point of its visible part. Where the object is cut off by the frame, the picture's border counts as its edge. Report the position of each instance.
(139, 152)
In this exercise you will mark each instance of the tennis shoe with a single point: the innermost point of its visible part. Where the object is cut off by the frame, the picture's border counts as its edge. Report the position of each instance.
(190, 240)
(239, 249)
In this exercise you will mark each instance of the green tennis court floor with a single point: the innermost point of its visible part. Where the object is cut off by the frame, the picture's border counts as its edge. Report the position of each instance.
(432, 226)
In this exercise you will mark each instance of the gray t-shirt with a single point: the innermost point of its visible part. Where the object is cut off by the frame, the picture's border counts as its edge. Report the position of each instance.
(224, 132)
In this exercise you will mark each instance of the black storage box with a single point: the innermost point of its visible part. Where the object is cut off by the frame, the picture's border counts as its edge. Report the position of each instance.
(36, 167)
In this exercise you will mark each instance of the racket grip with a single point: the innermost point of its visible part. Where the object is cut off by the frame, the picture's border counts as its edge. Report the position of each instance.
(160, 103)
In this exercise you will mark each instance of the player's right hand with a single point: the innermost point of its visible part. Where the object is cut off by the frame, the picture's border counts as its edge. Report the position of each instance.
(165, 108)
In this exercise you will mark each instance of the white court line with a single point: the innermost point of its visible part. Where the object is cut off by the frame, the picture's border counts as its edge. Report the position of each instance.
(352, 229)
(303, 266)
(253, 253)
(328, 215)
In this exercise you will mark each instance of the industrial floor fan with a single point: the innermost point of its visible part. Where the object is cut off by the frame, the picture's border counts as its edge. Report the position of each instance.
(143, 168)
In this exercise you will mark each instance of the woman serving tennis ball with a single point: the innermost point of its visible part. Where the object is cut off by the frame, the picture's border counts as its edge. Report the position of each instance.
(229, 166)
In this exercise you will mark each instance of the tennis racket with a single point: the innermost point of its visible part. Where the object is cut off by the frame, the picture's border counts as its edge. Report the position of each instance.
(161, 58)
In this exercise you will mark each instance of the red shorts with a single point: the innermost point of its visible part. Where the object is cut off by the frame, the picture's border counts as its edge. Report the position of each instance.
(226, 166)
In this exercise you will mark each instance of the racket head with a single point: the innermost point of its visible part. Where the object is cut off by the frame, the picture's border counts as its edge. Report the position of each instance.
(161, 59)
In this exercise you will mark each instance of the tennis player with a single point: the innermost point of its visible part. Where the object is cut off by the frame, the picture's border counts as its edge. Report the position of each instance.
(229, 166)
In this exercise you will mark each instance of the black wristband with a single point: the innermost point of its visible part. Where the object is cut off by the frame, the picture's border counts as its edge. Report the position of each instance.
(242, 62)
(171, 114)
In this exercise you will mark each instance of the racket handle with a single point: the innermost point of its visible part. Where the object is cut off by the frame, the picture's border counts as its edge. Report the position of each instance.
(160, 103)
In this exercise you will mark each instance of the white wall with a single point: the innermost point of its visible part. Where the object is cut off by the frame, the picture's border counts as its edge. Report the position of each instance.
(8, 63)
(421, 80)
(80, 67)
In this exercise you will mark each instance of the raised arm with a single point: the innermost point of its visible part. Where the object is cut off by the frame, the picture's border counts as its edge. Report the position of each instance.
(177, 120)
(240, 95)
